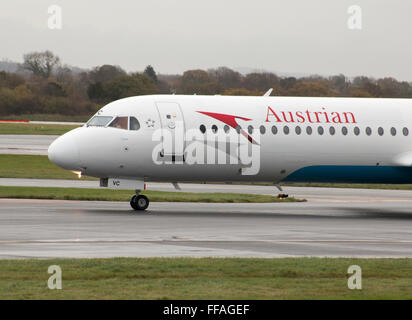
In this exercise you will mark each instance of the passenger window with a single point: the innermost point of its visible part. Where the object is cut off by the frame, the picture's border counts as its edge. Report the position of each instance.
(226, 128)
(405, 131)
(214, 128)
(286, 130)
(309, 130)
(134, 124)
(262, 130)
(202, 128)
(368, 131)
(320, 130)
(393, 131)
(274, 130)
(356, 130)
(119, 122)
(250, 129)
(344, 131)
(332, 131)
(380, 131)
(298, 130)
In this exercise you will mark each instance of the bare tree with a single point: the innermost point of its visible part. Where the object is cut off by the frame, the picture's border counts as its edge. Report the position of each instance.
(41, 63)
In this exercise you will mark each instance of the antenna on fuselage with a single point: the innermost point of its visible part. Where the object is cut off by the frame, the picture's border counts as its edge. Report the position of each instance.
(267, 94)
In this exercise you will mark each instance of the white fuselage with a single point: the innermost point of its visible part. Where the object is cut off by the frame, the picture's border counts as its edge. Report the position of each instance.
(282, 135)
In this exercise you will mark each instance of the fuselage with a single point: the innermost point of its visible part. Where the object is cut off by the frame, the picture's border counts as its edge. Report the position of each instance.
(199, 138)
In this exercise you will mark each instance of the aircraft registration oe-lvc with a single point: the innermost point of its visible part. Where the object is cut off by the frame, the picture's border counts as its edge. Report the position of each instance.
(177, 138)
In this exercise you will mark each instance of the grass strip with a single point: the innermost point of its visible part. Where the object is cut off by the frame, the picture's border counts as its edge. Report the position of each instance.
(125, 195)
(36, 129)
(33, 167)
(47, 117)
(206, 278)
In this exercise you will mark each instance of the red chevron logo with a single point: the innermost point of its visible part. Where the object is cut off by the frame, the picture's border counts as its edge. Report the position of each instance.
(230, 120)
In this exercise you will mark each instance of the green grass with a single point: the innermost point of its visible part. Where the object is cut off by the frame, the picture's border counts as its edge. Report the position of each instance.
(206, 278)
(124, 195)
(32, 167)
(28, 128)
(47, 117)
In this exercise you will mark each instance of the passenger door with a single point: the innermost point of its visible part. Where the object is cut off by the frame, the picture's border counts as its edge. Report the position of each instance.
(172, 123)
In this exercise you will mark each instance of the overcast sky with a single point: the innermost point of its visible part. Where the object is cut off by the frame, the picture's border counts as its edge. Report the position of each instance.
(290, 36)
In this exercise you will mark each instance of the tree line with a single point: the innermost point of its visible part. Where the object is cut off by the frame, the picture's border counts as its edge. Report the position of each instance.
(43, 85)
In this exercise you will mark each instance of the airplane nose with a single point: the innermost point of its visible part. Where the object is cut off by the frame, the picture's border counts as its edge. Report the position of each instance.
(64, 152)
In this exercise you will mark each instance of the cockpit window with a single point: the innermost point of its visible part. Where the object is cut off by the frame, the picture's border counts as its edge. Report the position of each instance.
(99, 121)
(134, 124)
(120, 123)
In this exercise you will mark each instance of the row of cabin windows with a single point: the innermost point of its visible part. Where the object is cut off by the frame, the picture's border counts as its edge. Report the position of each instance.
(309, 130)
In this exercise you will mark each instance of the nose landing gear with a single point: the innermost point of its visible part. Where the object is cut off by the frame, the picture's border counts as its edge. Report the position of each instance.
(139, 202)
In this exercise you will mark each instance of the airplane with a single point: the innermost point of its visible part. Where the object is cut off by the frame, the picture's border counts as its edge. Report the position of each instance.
(195, 138)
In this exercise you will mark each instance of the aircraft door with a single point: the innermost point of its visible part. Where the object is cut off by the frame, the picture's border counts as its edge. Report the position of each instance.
(172, 122)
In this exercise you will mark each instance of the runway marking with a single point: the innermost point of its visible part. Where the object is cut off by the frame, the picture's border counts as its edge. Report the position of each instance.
(206, 241)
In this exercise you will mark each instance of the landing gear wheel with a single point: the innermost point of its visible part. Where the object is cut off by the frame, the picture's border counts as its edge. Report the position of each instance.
(139, 202)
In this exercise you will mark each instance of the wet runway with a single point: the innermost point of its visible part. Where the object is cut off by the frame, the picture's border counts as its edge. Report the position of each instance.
(334, 222)
(337, 227)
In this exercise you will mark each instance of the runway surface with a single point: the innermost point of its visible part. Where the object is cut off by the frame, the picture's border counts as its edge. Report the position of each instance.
(340, 227)
(25, 144)
(334, 222)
